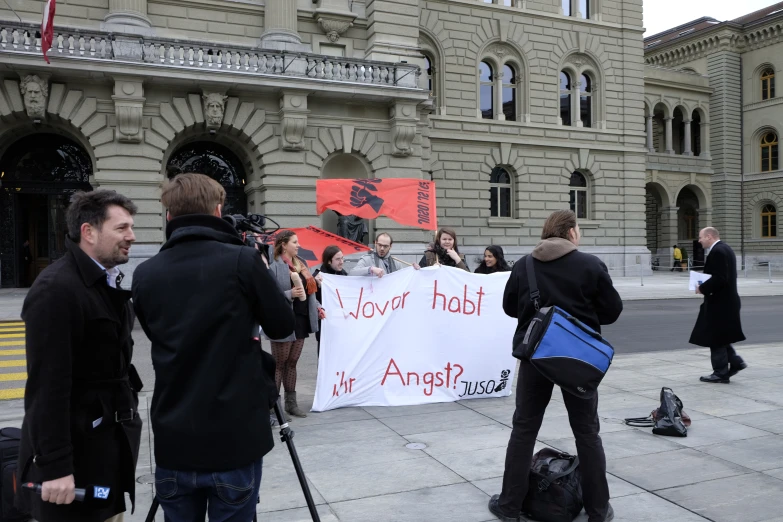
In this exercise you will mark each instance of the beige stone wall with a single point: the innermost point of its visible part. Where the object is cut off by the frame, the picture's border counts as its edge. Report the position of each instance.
(78, 13)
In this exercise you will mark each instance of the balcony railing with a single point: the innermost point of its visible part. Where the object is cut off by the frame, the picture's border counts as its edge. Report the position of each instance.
(77, 43)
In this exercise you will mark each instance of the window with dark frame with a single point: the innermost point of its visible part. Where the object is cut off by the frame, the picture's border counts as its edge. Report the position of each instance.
(509, 93)
(578, 194)
(565, 98)
(500, 193)
(586, 101)
(769, 152)
(769, 221)
(768, 84)
(487, 91)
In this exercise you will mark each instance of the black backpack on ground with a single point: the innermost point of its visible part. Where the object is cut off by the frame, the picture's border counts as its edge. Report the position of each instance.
(554, 492)
(10, 438)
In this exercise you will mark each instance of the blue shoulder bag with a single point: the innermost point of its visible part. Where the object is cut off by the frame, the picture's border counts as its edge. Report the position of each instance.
(564, 349)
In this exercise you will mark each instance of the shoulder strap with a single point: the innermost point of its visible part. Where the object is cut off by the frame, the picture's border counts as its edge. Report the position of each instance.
(531, 282)
(544, 484)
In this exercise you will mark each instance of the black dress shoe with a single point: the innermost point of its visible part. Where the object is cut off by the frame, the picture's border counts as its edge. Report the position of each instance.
(736, 368)
(495, 509)
(715, 379)
(609, 514)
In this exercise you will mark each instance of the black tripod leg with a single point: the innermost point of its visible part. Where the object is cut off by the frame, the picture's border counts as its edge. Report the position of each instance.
(153, 510)
(286, 434)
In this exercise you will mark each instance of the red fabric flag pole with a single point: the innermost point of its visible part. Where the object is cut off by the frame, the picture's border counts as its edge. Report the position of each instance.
(47, 28)
(313, 241)
(407, 201)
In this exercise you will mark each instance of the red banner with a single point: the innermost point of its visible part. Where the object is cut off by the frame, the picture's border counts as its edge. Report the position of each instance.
(313, 241)
(407, 201)
(47, 28)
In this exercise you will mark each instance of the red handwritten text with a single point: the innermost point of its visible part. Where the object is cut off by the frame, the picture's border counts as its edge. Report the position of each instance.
(431, 380)
(346, 386)
(368, 309)
(459, 306)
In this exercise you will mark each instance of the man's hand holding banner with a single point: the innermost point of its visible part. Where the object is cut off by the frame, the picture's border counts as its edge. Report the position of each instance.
(407, 201)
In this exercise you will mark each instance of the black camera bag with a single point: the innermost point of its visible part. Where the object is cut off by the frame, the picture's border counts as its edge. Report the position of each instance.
(555, 487)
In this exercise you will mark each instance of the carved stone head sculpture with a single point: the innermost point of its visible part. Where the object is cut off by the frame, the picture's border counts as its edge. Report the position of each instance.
(35, 92)
(214, 105)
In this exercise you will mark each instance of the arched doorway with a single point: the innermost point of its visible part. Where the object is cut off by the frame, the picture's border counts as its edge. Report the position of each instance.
(38, 175)
(345, 166)
(219, 163)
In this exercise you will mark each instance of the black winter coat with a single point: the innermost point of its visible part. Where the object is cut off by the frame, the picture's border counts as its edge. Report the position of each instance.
(200, 301)
(719, 322)
(79, 349)
(578, 283)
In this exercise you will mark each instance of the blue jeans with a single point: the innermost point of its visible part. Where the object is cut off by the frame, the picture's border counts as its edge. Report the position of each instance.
(228, 496)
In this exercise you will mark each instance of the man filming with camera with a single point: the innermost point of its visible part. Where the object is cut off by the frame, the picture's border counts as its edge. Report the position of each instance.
(200, 301)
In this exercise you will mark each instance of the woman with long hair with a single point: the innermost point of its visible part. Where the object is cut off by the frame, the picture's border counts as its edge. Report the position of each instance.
(300, 287)
(444, 251)
(332, 261)
(494, 261)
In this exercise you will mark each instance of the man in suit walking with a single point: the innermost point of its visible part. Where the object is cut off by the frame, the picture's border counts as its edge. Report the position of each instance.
(718, 325)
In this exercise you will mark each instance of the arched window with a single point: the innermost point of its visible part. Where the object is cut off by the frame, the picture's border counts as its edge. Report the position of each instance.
(768, 84)
(769, 221)
(690, 219)
(430, 75)
(586, 101)
(578, 194)
(769, 152)
(500, 193)
(217, 162)
(509, 93)
(565, 98)
(487, 94)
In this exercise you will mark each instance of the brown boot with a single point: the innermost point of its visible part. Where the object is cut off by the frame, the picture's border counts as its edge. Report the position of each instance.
(291, 406)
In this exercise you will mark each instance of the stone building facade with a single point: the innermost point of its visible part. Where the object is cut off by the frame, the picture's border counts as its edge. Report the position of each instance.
(515, 108)
(714, 82)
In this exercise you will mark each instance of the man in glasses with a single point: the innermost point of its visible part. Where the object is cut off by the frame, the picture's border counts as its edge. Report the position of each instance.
(378, 262)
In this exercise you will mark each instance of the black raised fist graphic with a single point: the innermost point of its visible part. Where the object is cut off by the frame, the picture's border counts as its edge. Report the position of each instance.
(361, 194)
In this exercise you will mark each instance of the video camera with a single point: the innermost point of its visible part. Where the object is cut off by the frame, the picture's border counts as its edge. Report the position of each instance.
(256, 224)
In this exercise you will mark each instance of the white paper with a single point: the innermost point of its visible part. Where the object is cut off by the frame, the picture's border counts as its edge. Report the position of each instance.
(696, 279)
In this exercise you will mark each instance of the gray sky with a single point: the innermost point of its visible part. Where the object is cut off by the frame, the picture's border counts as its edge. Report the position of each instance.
(660, 15)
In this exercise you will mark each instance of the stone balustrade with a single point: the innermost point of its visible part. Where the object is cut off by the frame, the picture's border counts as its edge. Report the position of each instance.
(201, 55)
(23, 38)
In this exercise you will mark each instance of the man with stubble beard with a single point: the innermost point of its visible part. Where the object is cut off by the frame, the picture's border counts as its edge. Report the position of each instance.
(81, 424)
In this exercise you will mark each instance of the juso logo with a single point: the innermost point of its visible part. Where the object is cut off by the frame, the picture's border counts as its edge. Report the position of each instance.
(101, 492)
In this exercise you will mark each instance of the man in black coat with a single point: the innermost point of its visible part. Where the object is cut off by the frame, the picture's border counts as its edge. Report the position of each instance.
(719, 325)
(580, 284)
(81, 425)
(200, 301)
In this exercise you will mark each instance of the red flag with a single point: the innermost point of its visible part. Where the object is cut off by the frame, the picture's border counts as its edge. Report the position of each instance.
(406, 201)
(47, 28)
(313, 241)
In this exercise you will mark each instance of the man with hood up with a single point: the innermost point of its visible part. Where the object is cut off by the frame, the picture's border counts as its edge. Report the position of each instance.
(579, 284)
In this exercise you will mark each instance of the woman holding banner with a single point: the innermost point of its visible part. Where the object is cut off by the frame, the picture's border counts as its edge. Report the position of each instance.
(494, 261)
(299, 287)
(445, 251)
(332, 261)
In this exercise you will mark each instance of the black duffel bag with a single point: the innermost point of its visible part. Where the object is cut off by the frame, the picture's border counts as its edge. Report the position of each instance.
(554, 492)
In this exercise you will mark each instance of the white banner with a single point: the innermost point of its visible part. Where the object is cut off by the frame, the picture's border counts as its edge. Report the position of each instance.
(414, 337)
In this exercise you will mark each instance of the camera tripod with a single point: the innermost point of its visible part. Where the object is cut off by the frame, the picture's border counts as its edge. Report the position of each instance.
(287, 436)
